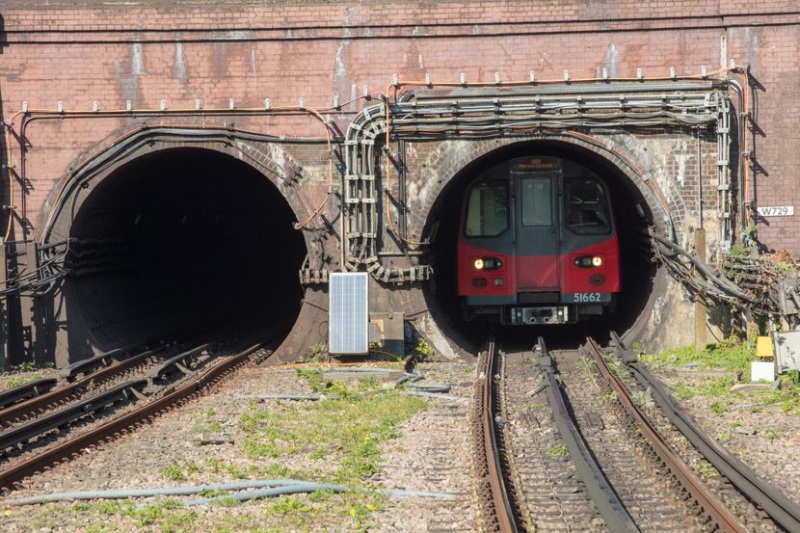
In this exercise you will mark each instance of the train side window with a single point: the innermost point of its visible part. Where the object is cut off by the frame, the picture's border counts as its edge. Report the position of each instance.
(536, 202)
(487, 209)
(586, 206)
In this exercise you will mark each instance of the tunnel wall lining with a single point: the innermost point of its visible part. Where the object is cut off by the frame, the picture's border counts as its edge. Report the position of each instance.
(431, 167)
(156, 140)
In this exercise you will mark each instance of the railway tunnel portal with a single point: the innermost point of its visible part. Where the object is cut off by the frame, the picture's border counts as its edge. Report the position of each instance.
(169, 241)
(636, 211)
(175, 231)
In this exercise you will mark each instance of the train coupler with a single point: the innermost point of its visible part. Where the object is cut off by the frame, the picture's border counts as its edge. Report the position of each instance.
(557, 314)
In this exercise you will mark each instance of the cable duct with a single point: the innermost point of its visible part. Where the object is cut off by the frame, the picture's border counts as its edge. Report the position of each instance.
(483, 114)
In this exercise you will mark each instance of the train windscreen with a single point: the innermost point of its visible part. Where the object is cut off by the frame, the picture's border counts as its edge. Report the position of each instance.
(487, 209)
(586, 206)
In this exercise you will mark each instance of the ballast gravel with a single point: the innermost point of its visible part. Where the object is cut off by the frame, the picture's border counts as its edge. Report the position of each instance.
(763, 436)
(431, 453)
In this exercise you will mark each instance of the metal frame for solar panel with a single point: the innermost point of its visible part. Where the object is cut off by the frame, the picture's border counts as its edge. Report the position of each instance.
(348, 313)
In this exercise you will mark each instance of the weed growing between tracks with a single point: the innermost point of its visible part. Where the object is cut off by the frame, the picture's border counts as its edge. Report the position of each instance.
(24, 373)
(344, 430)
(168, 516)
(16, 381)
(335, 440)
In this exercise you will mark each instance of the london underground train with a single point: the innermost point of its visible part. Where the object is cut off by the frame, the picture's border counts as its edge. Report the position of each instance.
(537, 244)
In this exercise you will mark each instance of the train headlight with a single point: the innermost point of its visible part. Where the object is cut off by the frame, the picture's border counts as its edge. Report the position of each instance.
(588, 261)
(487, 263)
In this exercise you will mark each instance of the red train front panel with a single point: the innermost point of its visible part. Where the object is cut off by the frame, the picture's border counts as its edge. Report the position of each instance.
(537, 244)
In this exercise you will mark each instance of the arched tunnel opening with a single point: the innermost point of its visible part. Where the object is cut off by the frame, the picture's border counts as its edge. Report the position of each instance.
(180, 244)
(639, 284)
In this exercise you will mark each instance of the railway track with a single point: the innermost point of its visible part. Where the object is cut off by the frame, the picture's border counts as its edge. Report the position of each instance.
(36, 398)
(144, 398)
(767, 499)
(564, 445)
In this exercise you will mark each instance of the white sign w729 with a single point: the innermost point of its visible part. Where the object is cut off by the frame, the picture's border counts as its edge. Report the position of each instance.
(777, 211)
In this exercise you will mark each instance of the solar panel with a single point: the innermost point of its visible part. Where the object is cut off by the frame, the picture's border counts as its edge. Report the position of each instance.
(348, 313)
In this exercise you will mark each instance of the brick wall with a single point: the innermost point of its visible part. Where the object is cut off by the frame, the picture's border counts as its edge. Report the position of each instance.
(161, 50)
(246, 51)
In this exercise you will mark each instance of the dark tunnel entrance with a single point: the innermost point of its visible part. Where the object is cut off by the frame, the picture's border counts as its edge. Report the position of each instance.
(639, 284)
(179, 244)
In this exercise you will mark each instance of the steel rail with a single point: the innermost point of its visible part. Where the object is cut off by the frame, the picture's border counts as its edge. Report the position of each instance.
(502, 516)
(177, 363)
(87, 366)
(26, 391)
(62, 394)
(61, 417)
(611, 508)
(117, 427)
(780, 509)
(709, 505)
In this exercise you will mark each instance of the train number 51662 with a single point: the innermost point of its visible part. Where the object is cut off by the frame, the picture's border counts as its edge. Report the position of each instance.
(586, 297)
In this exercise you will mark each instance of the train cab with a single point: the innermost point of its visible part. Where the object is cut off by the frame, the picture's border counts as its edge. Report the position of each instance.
(537, 244)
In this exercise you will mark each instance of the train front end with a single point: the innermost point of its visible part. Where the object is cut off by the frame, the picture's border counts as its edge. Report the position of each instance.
(537, 244)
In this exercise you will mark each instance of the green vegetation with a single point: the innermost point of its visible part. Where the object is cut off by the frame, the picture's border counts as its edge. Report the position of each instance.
(168, 516)
(731, 354)
(607, 398)
(319, 350)
(616, 366)
(346, 429)
(735, 356)
(423, 350)
(705, 469)
(25, 366)
(342, 436)
(723, 437)
(557, 452)
(718, 407)
(179, 471)
(638, 398)
(771, 434)
(16, 381)
(209, 424)
(705, 388)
